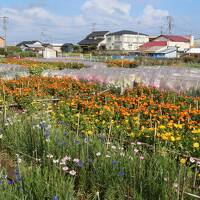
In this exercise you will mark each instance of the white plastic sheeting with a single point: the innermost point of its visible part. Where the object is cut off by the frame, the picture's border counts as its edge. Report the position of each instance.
(169, 78)
(8, 71)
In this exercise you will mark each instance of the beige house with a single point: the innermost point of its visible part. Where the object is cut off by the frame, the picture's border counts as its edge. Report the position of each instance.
(179, 41)
(2, 42)
(125, 40)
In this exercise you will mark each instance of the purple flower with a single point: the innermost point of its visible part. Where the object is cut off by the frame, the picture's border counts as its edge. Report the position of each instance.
(65, 133)
(55, 198)
(121, 173)
(42, 125)
(115, 162)
(80, 163)
(10, 182)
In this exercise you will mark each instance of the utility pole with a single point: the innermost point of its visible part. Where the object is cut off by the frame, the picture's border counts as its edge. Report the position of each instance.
(5, 22)
(169, 20)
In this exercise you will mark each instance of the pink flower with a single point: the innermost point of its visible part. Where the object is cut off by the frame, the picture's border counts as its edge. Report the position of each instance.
(141, 157)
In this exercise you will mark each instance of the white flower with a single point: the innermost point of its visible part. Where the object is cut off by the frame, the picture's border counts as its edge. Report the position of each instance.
(49, 156)
(113, 147)
(65, 168)
(66, 158)
(62, 162)
(108, 156)
(136, 150)
(139, 143)
(76, 160)
(55, 161)
(72, 172)
(1, 136)
(47, 140)
(192, 160)
(175, 185)
(98, 153)
(122, 154)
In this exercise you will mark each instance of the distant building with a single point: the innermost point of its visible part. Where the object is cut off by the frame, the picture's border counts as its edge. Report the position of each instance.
(197, 42)
(94, 41)
(67, 47)
(35, 46)
(181, 42)
(125, 40)
(193, 52)
(158, 49)
(48, 52)
(2, 42)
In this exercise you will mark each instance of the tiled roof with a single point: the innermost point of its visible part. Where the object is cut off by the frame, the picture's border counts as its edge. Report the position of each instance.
(90, 42)
(154, 44)
(127, 32)
(98, 34)
(28, 42)
(176, 38)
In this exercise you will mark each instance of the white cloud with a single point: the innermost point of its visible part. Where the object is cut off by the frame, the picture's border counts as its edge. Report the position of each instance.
(29, 23)
(107, 7)
(152, 16)
(107, 10)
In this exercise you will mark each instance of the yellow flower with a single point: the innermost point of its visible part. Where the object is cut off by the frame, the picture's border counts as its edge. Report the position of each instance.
(89, 133)
(178, 138)
(62, 115)
(196, 131)
(135, 118)
(180, 126)
(161, 127)
(183, 161)
(196, 145)
(126, 121)
(173, 138)
(132, 134)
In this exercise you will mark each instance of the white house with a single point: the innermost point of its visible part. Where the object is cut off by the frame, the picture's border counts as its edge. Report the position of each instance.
(48, 52)
(35, 46)
(125, 40)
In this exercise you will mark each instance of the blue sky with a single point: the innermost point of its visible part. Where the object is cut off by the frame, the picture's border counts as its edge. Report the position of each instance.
(69, 21)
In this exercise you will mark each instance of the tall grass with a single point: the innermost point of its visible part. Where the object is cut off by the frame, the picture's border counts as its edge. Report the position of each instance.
(105, 168)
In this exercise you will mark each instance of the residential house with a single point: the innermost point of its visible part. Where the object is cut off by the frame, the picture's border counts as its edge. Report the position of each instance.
(125, 40)
(35, 46)
(2, 42)
(181, 42)
(67, 47)
(158, 49)
(57, 47)
(94, 41)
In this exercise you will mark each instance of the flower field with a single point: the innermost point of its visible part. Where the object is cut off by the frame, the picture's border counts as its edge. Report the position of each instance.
(67, 139)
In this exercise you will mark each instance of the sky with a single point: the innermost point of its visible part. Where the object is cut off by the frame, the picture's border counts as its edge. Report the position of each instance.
(63, 21)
